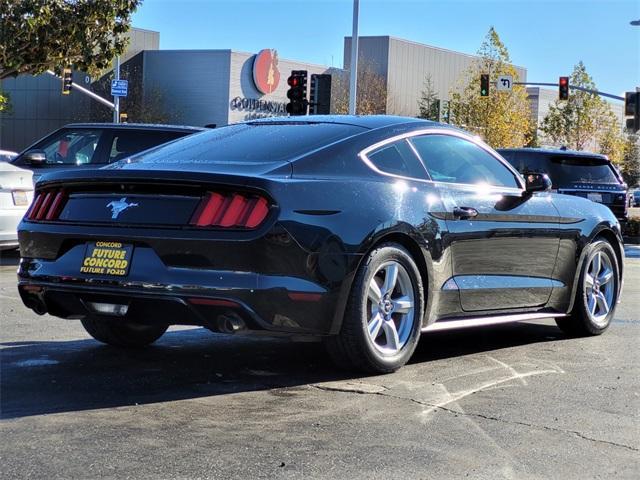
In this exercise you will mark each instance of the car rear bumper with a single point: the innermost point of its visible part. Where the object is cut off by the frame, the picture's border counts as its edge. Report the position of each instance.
(154, 292)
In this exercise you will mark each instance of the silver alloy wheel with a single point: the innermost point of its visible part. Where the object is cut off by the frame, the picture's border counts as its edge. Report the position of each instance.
(599, 288)
(390, 303)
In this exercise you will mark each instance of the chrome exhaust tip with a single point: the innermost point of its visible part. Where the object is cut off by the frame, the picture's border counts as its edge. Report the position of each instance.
(231, 322)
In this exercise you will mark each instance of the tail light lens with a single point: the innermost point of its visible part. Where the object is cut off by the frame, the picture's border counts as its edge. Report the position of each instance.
(236, 210)
(47, 205)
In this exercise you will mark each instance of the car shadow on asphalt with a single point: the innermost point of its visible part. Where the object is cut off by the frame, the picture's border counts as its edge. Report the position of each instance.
(63, 376)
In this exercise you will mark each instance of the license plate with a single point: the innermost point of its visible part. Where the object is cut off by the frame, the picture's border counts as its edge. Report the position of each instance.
(20, 198)
(111, 259)
(595, 197)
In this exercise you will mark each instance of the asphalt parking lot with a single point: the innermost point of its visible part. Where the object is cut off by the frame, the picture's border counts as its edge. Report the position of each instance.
(513, 401)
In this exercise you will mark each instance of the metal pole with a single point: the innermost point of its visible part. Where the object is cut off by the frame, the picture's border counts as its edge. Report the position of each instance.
(353, 81)
(88, 93)
(116, 99)
(575, 87)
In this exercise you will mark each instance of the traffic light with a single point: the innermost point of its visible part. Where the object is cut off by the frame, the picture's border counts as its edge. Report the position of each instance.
(632, 109)
(67, 81)
(297, 93)
(320, 94)
(563, 88)
(484, 85)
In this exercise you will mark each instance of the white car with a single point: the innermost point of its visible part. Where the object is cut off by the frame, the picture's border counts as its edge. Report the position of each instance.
(7, 155)
(16, 194)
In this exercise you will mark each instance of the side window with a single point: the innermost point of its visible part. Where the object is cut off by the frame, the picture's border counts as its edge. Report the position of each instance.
(456, 160)
(127, 142)
(72, 147)
(398, 159)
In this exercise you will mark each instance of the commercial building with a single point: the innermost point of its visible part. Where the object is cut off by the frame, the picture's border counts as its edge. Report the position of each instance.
(200, 87)
(405, 66)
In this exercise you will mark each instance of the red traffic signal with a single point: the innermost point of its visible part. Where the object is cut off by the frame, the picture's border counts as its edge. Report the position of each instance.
(297, 93)
(293, 81)
(563, 88)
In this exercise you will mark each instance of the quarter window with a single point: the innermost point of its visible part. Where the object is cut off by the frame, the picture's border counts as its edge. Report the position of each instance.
(398, 159)
(456, 160)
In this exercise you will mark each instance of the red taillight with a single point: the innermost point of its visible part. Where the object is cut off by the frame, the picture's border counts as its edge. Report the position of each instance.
(47, 205)
(236, 210)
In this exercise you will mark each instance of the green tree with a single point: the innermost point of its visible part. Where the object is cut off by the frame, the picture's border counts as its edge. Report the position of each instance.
(611, 141)
(630, 167)
(371, 92)
(429, 104)
(5, 104)
(576, 122)
(40, 35)
(503, 118)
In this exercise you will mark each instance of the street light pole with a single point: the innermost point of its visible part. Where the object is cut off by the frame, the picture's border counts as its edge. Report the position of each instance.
(353, 81)
(116, 99)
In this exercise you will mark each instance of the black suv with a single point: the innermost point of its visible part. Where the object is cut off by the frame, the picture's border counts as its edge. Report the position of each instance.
(91, 145)
(583, 174)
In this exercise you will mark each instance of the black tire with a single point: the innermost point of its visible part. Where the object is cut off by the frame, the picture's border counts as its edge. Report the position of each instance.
(353, 348)
(582, 321)
(119, 333)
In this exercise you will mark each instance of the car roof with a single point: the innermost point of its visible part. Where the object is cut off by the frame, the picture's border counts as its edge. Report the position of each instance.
(364, 121)
(138, 126)
(554, 151)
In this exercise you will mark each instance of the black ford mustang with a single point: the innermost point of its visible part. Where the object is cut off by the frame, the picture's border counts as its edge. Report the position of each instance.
(366, 231)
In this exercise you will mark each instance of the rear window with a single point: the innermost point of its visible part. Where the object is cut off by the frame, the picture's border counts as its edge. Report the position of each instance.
(251, 143)
(566, 169)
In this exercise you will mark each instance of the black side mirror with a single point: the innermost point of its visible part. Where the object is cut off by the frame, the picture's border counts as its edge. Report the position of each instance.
(537, 182)
(34, 157)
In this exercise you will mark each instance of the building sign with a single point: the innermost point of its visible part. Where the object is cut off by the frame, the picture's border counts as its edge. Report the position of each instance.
(266, 75)
(258, 108)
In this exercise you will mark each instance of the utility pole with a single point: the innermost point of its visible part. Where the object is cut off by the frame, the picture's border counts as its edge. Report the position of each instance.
(353, 81)
(116, 99)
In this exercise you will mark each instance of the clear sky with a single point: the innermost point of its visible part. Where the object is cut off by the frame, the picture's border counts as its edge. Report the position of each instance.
(546, 37)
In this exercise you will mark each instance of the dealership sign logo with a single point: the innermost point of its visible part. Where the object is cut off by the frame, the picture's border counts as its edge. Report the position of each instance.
(266, 75)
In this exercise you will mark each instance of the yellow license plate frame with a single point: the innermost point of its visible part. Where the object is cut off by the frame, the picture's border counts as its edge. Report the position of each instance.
(107, 259)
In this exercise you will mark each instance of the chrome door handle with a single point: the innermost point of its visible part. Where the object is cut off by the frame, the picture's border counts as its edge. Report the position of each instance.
(464, 212)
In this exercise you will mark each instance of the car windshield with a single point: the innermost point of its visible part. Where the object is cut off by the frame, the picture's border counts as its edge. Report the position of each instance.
(70, 147)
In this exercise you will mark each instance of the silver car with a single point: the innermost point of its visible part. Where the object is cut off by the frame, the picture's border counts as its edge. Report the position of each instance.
(7, 155)
(16, 194)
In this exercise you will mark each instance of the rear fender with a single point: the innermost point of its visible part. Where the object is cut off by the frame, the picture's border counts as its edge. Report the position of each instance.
(406, 236)
(606, 231)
